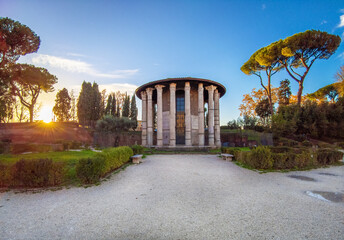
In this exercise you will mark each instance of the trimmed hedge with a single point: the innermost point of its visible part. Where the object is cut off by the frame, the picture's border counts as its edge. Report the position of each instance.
(90, 170)
(137, 149)
(288, 158)
(32, 173)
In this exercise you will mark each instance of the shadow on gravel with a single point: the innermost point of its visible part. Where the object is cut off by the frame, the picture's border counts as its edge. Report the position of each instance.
(303, 178)
(328, 174)
(336, 197)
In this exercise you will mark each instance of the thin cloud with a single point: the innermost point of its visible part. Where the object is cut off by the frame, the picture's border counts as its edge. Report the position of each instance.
(76, 55)
(79, 66)
(341, 24)
(263, 6)
(122, 87)
(323, 22)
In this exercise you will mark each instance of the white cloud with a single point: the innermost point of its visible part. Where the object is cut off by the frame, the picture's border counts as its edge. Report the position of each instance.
(122, 87)
(341, 24)
(79, 66)
(323, 22)
(76, 55)
(263, 6)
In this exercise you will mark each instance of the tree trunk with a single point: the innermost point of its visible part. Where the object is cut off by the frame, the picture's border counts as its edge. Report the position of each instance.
(31, 113)
(299, 93)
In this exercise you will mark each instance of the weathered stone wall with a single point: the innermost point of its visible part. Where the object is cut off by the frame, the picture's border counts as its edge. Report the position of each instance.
(44, 132)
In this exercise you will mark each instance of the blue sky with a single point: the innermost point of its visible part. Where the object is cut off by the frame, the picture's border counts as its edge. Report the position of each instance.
(123, 44)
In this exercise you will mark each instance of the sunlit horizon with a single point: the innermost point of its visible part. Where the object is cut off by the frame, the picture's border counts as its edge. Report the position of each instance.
(46, 114)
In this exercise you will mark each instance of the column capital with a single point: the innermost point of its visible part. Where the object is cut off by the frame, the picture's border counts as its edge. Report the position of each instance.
(187, 85)
(159, 87)
(210, 88)
(173, 85)
(200, 86)
(143, 95)
(149, 91)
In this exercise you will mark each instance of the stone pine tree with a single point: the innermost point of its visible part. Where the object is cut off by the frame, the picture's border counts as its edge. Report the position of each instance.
(16, 40)
(298, 53)
(133, 111)
(126, 106)
(284, 93)
(261, 62)
(28, 81)
(62, 106)
(340, 81)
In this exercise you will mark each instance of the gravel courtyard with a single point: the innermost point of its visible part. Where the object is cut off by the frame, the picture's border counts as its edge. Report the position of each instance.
(182, 197)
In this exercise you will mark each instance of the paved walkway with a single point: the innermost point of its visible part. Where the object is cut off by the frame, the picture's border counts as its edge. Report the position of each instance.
(181, 197)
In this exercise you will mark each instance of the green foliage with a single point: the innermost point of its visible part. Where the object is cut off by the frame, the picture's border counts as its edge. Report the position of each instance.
(62, 106)
(328, 156)
(310, 120)
(284, 92)
(341, 145)
(89, 170)
(111, 105)
(126, 106)
(260, 158)
(263, 109)
(133, 111)
(137, 149)
(27, 82)
(113, 124)
(89, 104)
(306, 143)
(17, 148)
(16, 40)
(37, 173)
(328, 92)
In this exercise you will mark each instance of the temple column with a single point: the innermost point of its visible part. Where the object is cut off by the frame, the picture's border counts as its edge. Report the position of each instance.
(217, 119)
(149, 117)
(159, 114)
(187, 115)
(211, 89)
(173, 114)
(144, 118)
(200, 115)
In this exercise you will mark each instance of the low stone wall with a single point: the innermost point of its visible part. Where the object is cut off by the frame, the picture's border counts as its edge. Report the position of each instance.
(47, 133)
(117, 139)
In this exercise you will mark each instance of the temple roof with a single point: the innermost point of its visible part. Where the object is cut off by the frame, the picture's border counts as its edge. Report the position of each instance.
(166, 81)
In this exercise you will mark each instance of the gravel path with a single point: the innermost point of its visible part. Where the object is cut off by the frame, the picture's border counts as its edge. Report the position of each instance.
(181, 197)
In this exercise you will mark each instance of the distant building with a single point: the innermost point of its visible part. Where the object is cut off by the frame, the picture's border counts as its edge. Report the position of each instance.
(180, 112)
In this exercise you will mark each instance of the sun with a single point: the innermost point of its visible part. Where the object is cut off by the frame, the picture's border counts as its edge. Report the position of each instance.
(46, 114)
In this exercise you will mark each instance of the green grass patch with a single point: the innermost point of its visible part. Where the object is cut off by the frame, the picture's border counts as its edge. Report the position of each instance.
(70, 157)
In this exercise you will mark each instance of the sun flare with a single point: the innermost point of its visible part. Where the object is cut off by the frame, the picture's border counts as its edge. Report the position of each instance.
(46, 114)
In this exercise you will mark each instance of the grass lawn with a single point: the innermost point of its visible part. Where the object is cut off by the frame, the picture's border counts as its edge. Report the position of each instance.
(69, 157)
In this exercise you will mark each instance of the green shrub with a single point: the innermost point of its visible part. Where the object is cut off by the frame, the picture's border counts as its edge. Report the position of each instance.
(89, 170)
(137, 149)
(328, 156)
(4, 147)
(18, 148)
(259, 158)
(279, 160)
(36, 173)
(341, 145)
(306, 143)
(281, 149)
(5, 175)
(230, 150)
(304, 160)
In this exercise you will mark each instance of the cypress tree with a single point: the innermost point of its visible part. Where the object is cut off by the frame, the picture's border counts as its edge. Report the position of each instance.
(133, 111)
(126, 106)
